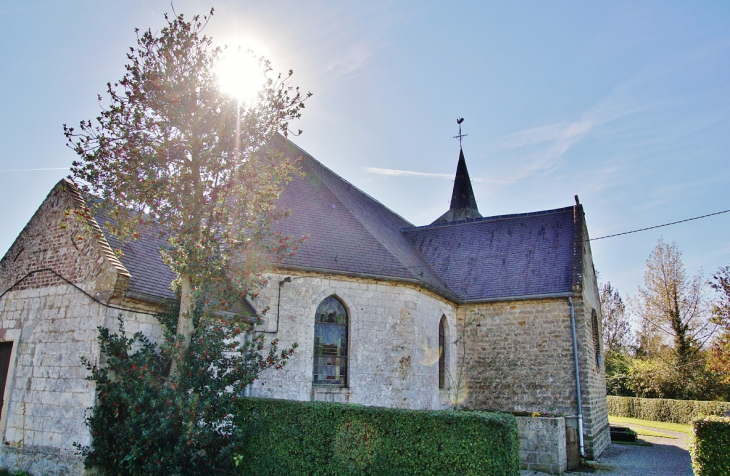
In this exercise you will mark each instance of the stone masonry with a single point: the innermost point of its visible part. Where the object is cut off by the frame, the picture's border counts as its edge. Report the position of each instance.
(519, 354)
(519, 357)
(393, 341)
(52, 323)
(542, 444)
(590, 347)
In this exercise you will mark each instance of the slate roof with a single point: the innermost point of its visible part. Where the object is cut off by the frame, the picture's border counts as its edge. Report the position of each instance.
(503, 256)
(349, 232)
(151, 277)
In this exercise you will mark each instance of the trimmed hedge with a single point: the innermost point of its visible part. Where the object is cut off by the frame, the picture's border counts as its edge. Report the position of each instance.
(289, 437)
(660, 409)
(710, 446)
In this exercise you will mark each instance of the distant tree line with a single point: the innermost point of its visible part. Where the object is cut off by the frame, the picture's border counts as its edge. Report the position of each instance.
(679, 346)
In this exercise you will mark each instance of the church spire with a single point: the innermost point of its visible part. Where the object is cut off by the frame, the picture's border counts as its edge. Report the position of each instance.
(463, 195)
(463, 204)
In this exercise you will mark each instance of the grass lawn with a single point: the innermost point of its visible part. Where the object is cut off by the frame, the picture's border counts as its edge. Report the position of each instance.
(614, 420)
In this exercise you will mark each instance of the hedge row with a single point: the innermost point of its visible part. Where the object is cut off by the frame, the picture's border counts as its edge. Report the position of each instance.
(659, 409)
(287, 437)
(710, 446)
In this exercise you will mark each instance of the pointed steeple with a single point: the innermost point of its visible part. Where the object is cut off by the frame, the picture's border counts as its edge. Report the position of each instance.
(463, 204)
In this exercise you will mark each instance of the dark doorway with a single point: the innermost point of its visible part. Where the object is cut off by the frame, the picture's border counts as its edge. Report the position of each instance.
(6, 348)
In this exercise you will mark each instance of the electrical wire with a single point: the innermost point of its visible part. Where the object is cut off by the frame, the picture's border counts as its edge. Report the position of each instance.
(658, 226)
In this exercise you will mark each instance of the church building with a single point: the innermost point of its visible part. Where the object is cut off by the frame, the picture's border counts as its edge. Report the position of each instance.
(494, 313)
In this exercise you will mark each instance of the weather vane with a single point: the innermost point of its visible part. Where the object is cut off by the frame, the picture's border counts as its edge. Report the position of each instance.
(460, 136)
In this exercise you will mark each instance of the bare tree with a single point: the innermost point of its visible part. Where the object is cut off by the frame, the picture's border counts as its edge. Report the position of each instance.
(615, 324)
(670, 305)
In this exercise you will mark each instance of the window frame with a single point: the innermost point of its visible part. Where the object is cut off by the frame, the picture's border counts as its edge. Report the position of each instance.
(344, 360)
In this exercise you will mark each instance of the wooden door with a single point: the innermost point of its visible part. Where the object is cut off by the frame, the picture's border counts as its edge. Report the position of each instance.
(572, 443)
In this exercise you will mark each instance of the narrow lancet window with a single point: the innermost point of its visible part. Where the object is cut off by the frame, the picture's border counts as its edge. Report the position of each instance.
(330, 343)
(596, 337)
(442, 354)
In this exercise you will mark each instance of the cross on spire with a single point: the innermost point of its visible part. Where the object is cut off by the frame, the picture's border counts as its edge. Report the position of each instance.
(463, 204)
(460, 136)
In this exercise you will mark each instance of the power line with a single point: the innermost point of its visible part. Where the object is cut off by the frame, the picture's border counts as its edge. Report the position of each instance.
(659, 226)
(554, 246)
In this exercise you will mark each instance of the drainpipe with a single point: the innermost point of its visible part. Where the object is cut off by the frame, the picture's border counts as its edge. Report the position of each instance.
(278, 300)
(288, 279)
(577, 378)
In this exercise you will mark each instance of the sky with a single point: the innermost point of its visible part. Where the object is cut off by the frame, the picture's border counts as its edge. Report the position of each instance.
(625, 104)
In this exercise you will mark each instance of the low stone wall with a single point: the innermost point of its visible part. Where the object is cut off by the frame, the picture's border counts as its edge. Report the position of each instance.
(542, 444)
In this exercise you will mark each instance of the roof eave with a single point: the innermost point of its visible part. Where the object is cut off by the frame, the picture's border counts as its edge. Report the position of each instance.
(525, 297)
(379, 277)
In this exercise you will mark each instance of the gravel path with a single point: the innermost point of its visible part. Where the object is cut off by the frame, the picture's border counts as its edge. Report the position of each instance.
(668, 457)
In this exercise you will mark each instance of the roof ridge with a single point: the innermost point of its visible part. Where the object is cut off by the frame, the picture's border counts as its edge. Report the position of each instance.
(394, 252)
(492, 218)
(339, 177)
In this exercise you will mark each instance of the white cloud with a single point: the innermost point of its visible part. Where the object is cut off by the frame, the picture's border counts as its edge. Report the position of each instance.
(542, 148)
(351, 61)
(413, 173)
(407, 173)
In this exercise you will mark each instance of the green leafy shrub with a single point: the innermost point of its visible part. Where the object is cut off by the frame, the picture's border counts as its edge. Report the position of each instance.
(710, 446)
(661, 409)
(146, 422)
(287, 437)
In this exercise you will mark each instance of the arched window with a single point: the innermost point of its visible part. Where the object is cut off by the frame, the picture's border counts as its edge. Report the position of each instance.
(596, 337)
(442, 352)
(330, 343)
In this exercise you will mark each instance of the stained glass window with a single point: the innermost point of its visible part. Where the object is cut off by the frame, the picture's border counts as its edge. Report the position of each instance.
(330, 343)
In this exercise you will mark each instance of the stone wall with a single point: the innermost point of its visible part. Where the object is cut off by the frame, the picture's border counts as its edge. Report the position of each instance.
(393, 341)
(519, 356)
(58, 238)
(47, 394)
(590, 345)
(542, 444)
(52, 324)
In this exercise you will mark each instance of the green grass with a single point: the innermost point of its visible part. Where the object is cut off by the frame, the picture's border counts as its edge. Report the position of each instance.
(614, 420)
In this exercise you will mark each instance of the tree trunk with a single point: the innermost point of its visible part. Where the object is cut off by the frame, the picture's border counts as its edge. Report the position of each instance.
(184, 321)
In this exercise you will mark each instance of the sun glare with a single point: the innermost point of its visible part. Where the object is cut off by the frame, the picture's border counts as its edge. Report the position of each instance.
(240, 74)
